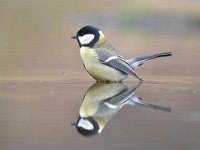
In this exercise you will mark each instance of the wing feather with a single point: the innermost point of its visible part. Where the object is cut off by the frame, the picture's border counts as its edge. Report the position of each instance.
(111, 58)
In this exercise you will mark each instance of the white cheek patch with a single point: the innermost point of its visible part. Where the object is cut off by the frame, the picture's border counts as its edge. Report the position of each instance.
(85, 124)
(86, 39)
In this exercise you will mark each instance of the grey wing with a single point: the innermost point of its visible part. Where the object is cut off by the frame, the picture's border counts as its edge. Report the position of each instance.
(112, 59)
(120, 64)
(105, 53)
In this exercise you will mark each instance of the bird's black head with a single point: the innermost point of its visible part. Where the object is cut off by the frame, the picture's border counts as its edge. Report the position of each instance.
(87, 126)
(88, 36)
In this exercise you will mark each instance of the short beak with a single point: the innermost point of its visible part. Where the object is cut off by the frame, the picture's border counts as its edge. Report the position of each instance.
(73, 124)
(74, 37)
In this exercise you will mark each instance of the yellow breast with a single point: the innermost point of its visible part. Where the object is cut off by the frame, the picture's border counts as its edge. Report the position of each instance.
(96, 69)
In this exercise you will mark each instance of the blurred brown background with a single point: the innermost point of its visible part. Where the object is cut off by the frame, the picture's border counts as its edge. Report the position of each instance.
(35, 45)
(35, 35)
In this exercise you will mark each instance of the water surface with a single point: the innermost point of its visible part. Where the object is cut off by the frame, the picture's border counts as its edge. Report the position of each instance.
(38, 115)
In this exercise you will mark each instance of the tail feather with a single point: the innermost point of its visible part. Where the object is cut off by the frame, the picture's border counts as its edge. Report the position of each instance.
(135, 62)
(137, 101)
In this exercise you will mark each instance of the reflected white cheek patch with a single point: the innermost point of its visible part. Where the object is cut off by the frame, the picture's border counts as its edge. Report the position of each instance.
(85, 124)
(86, 39)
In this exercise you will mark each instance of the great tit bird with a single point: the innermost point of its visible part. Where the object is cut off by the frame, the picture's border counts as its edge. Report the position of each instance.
(102, 61)
(101, 103)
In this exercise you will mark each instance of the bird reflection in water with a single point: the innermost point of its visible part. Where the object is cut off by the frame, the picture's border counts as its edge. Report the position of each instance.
(101, 103)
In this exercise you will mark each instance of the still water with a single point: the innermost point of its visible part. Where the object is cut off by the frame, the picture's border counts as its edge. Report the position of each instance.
(157, 114)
